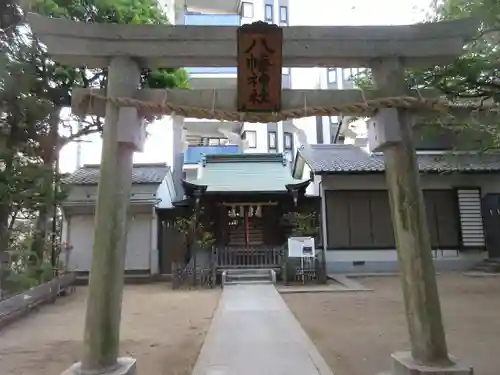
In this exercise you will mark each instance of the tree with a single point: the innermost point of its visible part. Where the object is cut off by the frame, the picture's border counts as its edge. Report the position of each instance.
(23, 115)
(33, 90)
(473, 76)
(10, 16)
(56, 81)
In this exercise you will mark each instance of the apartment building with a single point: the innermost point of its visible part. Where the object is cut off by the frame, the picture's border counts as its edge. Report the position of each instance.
(202, 137)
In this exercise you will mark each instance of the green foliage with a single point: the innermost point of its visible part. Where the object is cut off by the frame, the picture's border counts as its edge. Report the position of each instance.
(23, 116)
(473, 76)
(106, 11)
(205, 240)
(165, 78)
(24, 272)
(476, 74)
(103, 11)
(303, 223)
(194, 230)
(33, 90)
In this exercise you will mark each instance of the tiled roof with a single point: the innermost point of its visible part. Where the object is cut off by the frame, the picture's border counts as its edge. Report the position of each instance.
(245, 173)
(89, 174)
(352, 159)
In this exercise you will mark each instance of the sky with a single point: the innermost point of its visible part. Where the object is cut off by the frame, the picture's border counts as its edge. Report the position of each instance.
(302, 12)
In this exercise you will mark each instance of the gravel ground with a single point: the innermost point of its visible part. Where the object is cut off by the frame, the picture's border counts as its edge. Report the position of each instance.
(357, 332)
(161, 328)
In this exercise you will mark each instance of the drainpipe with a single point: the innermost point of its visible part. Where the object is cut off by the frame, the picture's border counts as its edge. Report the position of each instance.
(338, 131)
(323, 225)
(178, 155)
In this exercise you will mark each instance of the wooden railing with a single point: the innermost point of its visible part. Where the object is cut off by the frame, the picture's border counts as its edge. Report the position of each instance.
(21, 304)
(251, 257)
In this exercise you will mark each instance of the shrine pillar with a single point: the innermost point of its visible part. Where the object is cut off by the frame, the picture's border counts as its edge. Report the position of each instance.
(391, 132)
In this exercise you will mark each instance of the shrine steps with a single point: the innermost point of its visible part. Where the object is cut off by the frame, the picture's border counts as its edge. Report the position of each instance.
(248, 276)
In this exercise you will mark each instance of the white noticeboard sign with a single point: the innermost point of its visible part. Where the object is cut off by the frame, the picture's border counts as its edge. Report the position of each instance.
(301, 247)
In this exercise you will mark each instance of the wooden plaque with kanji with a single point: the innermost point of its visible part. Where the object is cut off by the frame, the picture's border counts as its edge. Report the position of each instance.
(259, 67)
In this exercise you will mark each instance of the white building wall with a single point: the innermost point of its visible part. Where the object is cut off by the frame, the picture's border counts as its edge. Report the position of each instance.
(165, 193)
(191, 172)
(261, 137)
(169, 7)
(140, 245)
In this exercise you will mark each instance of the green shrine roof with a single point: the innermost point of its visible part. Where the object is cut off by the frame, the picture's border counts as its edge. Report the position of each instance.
(245, 173)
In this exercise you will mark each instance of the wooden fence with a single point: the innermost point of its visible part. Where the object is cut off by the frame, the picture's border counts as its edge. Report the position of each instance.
(251, 257)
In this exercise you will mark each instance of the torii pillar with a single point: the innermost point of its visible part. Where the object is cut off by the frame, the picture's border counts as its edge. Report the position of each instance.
(123, 135)
(390, 131)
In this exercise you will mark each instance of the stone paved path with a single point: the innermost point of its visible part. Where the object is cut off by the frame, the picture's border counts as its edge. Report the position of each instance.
(254, 333)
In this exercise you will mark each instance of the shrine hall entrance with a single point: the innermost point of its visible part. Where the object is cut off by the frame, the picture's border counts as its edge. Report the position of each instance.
(245, 226)
(250, 234)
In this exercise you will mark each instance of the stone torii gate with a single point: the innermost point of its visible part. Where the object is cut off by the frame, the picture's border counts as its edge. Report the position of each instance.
(387, 50)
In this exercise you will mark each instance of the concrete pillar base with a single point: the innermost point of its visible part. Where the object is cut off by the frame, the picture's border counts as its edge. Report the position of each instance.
(125, 366)
(403, 364)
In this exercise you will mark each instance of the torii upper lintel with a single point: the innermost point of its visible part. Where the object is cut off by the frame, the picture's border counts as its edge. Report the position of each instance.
(94, 45)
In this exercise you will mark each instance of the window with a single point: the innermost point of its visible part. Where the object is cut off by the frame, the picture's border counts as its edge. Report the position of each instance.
(288, 141)
(332, 75)
(213, 141)
(268, 16)
(251, 138)
(285, 71)
(271, 141)
(350, 73)
(283, 15)
(362, 219)
(247, 9)
(347, 74)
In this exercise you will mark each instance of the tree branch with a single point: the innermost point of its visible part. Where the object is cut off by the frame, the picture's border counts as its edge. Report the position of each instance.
(12, 218)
